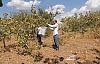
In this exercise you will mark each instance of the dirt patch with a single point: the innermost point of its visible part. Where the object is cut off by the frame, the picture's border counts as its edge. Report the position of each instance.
(86, 51)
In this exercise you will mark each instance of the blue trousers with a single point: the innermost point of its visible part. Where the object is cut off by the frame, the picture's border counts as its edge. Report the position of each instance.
(56, 40)
(39, 39)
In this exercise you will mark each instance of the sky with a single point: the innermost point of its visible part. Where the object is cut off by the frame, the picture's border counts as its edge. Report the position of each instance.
(66, 8)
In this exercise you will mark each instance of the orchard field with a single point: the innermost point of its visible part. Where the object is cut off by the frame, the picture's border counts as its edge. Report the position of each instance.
(79, 35)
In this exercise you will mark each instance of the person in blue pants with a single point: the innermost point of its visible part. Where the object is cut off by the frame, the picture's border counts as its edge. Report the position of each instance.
(39, 35)
(55, 33)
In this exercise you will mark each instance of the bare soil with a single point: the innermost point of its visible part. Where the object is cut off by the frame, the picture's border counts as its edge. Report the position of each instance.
(86, 51)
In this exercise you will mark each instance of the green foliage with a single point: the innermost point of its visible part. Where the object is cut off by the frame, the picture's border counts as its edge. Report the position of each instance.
(48, 32)
(21, 24)
(37, 58)
(83, 22)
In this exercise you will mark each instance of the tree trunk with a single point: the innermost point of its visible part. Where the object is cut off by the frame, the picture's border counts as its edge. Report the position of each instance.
(4, 42)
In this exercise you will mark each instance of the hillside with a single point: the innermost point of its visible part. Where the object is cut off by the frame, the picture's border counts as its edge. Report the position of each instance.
(85, 50)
